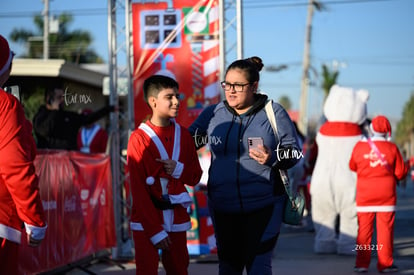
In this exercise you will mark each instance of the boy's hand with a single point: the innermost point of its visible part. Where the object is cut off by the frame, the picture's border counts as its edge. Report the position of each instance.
(169, 165)
(33, 242)
(164, 243)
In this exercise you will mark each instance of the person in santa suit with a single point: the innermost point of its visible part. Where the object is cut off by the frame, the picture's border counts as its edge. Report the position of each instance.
(162, 159)
(92, 138)
(20, 203)
(379, 165)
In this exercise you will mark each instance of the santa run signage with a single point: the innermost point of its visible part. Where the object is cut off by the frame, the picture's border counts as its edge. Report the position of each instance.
(177, 38)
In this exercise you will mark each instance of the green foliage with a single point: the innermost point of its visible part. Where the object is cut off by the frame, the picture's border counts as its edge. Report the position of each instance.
(72, 46)
(285, 102)
(32, 102)
(329, 79)
(405, 127)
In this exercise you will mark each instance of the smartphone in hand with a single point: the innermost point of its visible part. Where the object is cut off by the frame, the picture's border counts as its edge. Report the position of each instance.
(254, 142)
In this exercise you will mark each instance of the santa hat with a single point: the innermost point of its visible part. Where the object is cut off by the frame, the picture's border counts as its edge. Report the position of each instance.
(6, 55)
(86, 111)
(381, 126)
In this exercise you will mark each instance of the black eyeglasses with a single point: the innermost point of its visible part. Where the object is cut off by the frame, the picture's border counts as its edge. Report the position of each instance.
(236, 86)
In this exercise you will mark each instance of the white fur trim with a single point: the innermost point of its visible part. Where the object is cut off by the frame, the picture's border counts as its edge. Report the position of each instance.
(10, 233)
(180, 227)
(184, 199)
(159, 237)
(136, 226)
(376, 208)
(38, 233)
(178, 170)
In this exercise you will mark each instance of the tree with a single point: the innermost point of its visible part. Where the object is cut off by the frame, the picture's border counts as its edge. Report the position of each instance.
(285, 102)
(405, 127)
(72, 46)
(329, 79)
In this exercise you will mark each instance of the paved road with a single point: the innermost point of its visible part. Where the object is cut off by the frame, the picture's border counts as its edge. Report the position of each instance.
(293, 254)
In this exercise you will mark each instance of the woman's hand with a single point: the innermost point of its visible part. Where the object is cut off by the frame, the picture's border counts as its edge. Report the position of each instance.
(262, 154)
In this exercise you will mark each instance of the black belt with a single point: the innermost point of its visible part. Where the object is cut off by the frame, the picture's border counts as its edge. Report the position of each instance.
(163, 203)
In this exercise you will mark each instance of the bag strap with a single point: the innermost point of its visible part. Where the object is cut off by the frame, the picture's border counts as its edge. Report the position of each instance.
(271, 116)
(272, 120)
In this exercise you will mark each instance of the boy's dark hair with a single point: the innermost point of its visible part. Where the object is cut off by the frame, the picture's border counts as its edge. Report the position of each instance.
(155, 83)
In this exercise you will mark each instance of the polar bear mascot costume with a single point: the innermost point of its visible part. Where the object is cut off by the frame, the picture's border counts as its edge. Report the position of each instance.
(333, 184)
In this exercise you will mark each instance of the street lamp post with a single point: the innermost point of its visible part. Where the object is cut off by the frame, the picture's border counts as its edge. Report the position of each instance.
(46, 30)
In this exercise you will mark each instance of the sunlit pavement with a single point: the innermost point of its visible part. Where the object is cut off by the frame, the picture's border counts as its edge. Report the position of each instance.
(294, 251)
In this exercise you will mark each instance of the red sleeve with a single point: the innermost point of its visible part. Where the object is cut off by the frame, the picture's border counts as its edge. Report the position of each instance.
(103, 140)
(352, 162)
(401, 167)
(192, 170)
(139, 157)
(98, 144)
(17, 151)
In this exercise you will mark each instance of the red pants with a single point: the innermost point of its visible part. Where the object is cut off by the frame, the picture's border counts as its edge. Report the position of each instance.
(9, 254)
(175, 260)
(385, 238)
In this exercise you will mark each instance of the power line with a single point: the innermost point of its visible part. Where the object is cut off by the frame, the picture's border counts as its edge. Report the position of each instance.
(266, 4)
(83, 12)
(247, 4)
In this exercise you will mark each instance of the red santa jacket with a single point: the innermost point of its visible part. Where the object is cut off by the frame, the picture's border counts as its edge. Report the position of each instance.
(376, 185)
(19, 193)
(149, 182)
(92, 140)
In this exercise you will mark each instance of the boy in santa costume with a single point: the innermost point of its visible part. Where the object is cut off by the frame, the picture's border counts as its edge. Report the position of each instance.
(20, 203)
(162, 158)
(378, 164)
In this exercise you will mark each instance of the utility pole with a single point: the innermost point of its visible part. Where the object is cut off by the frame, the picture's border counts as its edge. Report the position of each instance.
(303, 107)
(239, 18)
(46, 30)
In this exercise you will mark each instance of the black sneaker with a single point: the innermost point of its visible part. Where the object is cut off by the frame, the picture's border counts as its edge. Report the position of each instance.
(360, 269)
(390, 269)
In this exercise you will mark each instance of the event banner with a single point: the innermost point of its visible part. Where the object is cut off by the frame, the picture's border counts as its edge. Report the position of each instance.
(200, 239)
(177, 38)
(76, 192)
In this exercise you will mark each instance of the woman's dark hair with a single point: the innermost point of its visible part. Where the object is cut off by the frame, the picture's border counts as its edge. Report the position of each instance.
(251, 67)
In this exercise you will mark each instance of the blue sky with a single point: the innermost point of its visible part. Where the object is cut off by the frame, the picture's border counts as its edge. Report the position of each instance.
(372, 41)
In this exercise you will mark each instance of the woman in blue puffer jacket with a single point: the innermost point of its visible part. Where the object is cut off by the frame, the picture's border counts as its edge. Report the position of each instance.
(246, 195)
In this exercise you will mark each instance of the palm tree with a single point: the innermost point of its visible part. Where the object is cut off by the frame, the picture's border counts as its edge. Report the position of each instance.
(71, 46)
(285, 102)
(405, 127)
(329, 79)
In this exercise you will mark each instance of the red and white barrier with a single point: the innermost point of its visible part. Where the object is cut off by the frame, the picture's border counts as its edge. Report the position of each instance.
(76, 191)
